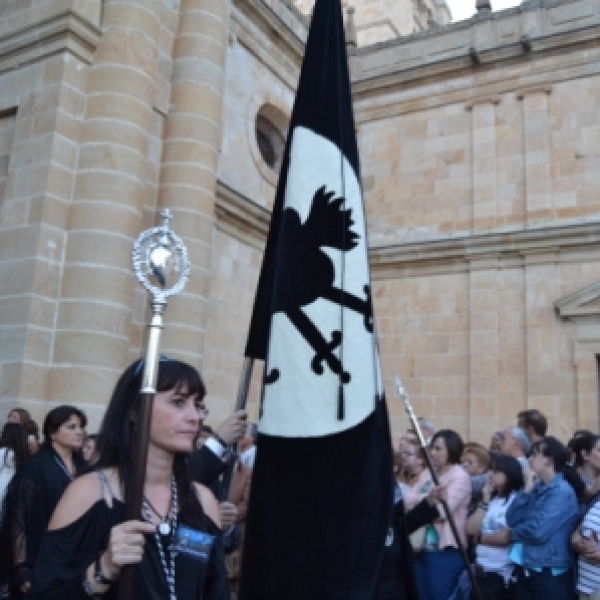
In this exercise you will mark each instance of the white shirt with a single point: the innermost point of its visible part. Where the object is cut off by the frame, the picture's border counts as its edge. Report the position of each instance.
(247, 457)
(494, 558)
(588, 573)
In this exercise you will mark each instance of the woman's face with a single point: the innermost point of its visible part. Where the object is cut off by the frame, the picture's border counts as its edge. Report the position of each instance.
(471, 464)
(13, 417)
(498, 481)
(70, 434)
(439, 453)
(593, 458)
(176, 420)
(88, 449)
(540, 463)
(411, 460)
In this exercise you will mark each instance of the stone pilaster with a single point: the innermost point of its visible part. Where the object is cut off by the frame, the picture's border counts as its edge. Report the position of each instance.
(536, 133)
(543, 339)
(192, 141)
(483, 350)
(484, 155)
(93, 328)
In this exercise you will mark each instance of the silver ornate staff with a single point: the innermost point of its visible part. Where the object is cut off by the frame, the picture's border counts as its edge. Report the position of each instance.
(415, 424)
(161, 264)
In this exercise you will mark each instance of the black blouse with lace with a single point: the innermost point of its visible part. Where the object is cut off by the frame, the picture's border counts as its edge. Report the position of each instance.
(31, 497)
(66, 553)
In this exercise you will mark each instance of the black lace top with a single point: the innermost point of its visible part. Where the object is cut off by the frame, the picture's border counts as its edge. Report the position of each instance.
(31, 498)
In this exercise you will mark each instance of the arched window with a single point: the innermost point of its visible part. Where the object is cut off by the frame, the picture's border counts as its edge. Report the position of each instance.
(271, 128)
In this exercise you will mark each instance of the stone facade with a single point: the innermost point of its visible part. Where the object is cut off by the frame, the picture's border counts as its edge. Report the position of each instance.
(480, 154)
(379, 21)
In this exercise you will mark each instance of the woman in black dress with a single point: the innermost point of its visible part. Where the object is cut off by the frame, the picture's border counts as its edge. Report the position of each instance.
(178, 545)
(34, 492)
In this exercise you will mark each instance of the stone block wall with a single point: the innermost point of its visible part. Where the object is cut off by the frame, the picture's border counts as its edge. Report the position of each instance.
(479, 166)
(475, 175)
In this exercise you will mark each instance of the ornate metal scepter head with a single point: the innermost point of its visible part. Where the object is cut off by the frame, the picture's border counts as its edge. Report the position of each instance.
(409, 409)
(161, 264)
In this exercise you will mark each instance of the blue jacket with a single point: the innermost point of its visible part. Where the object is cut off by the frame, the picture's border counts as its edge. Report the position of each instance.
(543, 521)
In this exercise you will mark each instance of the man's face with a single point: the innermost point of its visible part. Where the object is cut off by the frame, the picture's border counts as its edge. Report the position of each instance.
(521, 422)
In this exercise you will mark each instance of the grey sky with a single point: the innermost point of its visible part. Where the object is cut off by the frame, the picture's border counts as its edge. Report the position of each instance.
(463, 9)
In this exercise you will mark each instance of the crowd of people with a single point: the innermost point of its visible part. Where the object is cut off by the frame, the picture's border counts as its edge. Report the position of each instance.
(63, 527)
(525, 510)
(516, 519)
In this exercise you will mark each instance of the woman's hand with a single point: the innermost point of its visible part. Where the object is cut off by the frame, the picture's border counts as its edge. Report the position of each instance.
(530, 480)
(500, 538)
(436, 495)
(125, 547)
(588, 548)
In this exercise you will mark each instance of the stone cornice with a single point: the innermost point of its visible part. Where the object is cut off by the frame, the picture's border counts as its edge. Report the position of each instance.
(249, 223)
(402, 86)
(515, 249)
(253, 22)
(241, 218)
(581, 303)
(64, 32)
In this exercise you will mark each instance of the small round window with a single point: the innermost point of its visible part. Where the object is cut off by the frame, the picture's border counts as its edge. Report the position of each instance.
(270, 139)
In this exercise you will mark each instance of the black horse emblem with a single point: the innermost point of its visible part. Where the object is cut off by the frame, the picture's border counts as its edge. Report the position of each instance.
(309, 274)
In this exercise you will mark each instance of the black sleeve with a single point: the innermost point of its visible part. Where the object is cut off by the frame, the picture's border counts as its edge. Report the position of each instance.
(66, 553)
(205, 466)
(73, 590)
(232, 539)
(420, 515)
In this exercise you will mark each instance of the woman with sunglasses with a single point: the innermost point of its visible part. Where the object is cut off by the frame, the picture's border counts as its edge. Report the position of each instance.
(540, 522)
(177, 544)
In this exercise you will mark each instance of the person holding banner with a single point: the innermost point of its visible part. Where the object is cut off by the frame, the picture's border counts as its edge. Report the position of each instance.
(177, 547)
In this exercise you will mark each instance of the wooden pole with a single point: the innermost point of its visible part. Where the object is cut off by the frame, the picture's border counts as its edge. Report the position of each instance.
(242, 399)
(134, 490)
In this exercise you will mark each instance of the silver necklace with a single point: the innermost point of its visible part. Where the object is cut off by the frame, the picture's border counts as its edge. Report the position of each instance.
(63, 467)
(164, 527)
(169, 569)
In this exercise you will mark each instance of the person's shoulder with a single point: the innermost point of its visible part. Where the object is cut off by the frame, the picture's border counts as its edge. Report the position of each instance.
(458, 472)
(79, 497)
(37, 464)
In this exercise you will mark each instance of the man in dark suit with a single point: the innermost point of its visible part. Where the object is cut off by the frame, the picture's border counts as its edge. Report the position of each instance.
(209, 462)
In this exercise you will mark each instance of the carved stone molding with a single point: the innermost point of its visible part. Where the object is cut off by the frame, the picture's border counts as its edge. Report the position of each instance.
(265, 32)
(241, 218)
(64, 32)
(492, 99)
(583, 302)
(534, 89)
(486, 251)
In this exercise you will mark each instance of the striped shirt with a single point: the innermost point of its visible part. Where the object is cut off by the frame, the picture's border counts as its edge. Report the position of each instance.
(588, 580)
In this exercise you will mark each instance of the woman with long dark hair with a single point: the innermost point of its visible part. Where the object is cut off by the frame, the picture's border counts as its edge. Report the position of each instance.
(540, 520)
(585, 449)
(177, 547)
(34, 492)
(493, 565)
(14, 451)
